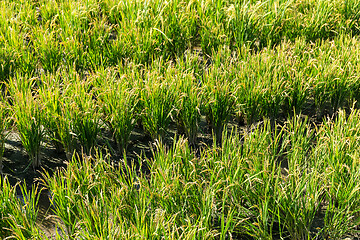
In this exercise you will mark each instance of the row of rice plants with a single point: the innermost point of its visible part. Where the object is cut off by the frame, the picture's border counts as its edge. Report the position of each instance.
(292, 181)
(315, 79)
(68, 107)
(239, 189)
(54, 35)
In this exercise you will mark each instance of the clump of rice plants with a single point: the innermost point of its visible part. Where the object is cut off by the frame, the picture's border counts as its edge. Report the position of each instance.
(91, 195)
(64, 129)
(28, 114)
(219, 98)
(218, 108)
(188, 108)
(47, 48)
(18, 213)
(300, 194)
(23, 215)
(7, 194)
(119, 102)
(50, 96)
(261, 82)
(84, 113)
(57, 115)
(337, 152)
(95, 181)
(157, 103)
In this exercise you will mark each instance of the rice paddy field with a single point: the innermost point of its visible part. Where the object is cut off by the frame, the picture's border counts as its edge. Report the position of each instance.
(192, 119)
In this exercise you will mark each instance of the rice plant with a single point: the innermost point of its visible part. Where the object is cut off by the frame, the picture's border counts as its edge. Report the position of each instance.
(50, 96)
(18, 213)
(78, 211)
(118, 103)
(48, 48)
(28, 114)
(157, 103)
(22, 218)
(337, 151)
(219, 103)
(84, 114)
(8, 194)
(301, 192)
(57, 116)
(188, 108)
